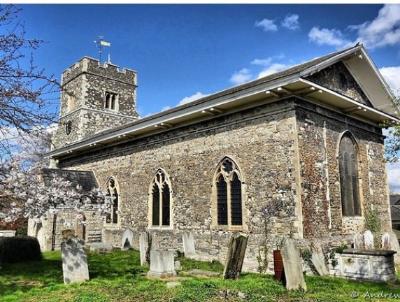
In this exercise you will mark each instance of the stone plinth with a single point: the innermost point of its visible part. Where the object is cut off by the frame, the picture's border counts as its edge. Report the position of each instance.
(370, 265)
(162, 264)
(7, 233)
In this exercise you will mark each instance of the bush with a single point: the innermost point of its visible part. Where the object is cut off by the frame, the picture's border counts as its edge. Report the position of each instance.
(19, 249)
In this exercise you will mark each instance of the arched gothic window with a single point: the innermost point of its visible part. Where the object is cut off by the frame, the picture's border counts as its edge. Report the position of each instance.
(160, 200)
(112, 192)
(348, 170)
(228, 186)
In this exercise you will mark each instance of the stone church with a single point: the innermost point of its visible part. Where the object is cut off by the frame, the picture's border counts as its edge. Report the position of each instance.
(298, 153)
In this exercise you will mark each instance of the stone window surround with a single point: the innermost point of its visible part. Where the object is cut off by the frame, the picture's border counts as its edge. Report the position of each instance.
(108, 91)
(359, 167)
(214, 200)
(114, 225)
(150, 225)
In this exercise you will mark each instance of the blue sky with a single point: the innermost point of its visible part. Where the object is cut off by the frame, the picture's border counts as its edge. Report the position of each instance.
(185, 51)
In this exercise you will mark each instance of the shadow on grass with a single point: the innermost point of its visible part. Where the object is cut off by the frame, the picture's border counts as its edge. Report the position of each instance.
(27, 275)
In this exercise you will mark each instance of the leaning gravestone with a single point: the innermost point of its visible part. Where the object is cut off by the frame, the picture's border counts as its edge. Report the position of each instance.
(74, 260)
(368, 240)
(162, 264)
(318, 260)
(236, 252)
(394, 246)
(144, 247)
(188, 244)
(386, 241)
(127, 239)
(292, 265)
(358, 241)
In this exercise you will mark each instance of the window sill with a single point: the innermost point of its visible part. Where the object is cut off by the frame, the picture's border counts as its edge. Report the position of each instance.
(160, 228)
(230, 228)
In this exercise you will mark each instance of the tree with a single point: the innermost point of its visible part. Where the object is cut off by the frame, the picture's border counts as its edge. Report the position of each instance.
(23, 86)
(392, 142)
(32, 197)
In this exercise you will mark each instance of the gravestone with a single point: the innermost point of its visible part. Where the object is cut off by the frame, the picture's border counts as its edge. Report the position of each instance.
(318, 260)
(100, 247)
(292, 265)
(358, 241)
(127, 240)
(144, 247)
(188, 244)
(394, 246)
(162, 264)
(386, 241)
(368, 240)
(236, 252)
(7, 233)
(74, 260)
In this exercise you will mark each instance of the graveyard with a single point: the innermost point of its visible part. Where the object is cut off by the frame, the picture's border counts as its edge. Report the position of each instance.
(118, 276)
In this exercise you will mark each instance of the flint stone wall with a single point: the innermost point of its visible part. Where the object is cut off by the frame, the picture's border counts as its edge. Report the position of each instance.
(282, 157)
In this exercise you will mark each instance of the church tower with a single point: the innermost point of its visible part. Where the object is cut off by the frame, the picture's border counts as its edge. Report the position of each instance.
(95, 97)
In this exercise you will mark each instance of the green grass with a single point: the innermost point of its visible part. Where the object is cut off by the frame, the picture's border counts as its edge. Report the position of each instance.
(119, 277)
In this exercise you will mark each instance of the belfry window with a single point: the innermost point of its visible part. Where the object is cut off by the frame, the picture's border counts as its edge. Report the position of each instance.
(228, 190)
(110, 101)
(348, 170)
(160, 200)
(112, 193)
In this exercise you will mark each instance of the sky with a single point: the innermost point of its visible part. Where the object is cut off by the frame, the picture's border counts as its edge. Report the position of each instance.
(183, 52)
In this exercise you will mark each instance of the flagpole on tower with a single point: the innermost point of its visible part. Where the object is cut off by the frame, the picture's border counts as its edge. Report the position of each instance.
(101, 43)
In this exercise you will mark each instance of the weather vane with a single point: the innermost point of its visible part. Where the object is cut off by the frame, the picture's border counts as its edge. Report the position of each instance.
(101, 43)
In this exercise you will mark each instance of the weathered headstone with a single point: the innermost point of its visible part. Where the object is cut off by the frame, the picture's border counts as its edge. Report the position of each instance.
(394, 246)
(236, 252)
(188, 244)
(368, 240)
(386, 241)
(74, 260)
(358, 241)
(293, 266)
(127, 239)
(144, 247)
(162, 264)
(318, 260)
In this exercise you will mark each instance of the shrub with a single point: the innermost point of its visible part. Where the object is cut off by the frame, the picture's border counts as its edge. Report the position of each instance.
(19, 249)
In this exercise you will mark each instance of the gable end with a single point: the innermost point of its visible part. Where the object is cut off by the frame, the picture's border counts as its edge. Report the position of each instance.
(337, 78)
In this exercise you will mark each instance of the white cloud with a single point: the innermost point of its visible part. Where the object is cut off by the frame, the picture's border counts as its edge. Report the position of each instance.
(291, 22)
(196, 96)
(394, 177)
(383, 30)
(241, 76)
(392, 77)
(262, 62)
(267, 25)
(273, 68)
(324, 36)
(165, 108)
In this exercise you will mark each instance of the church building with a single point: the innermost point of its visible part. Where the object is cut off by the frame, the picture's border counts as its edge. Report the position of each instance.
(299, 153)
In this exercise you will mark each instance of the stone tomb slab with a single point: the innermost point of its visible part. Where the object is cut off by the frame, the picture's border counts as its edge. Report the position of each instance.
(127, 239)
(74, 261)
(293, 267)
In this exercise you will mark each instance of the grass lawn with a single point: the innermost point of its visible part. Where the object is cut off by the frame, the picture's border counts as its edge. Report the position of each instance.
(119, 277)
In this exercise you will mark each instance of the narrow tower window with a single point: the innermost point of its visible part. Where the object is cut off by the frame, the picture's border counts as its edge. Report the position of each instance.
(348, 171)
(110, 101)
